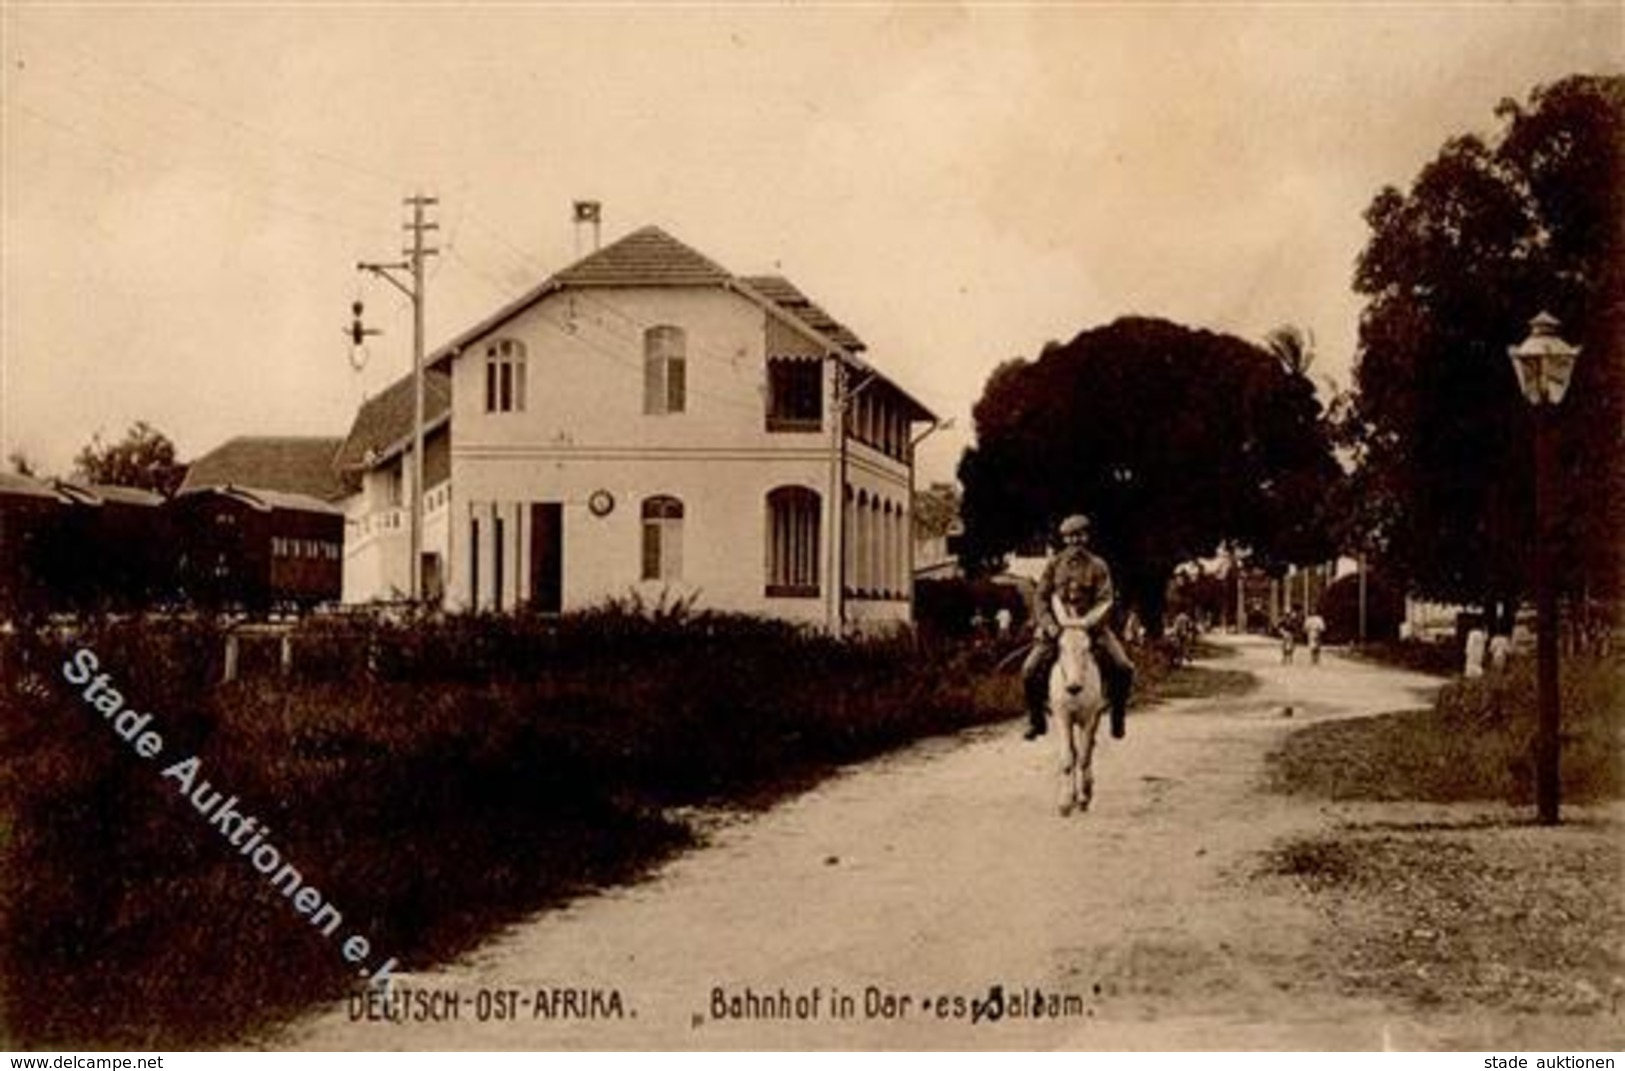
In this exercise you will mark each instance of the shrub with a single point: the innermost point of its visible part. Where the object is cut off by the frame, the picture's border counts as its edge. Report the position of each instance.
(434, 778)
(1340, 606)
(1476, 743)
(947, 608)
(1441, 658)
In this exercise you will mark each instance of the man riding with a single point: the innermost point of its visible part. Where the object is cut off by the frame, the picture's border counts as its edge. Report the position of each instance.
(1085, 582)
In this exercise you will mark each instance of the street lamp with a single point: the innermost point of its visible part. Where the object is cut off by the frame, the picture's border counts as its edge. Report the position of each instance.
(1544, 364)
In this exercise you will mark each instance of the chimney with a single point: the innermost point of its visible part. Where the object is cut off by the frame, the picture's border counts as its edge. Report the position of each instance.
(587, 214)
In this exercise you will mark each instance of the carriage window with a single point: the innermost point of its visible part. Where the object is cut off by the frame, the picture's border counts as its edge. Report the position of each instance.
(792, 542)
(662, 538)
(505, 377)
(665, 387)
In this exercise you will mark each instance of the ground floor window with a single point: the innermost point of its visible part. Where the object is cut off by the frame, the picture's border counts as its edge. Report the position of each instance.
(662, 538)
(793, 517)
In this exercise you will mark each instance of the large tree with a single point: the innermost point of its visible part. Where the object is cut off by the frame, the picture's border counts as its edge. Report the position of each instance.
(1490, 233)
(936, 511)
(144, 458)
(1174, 440)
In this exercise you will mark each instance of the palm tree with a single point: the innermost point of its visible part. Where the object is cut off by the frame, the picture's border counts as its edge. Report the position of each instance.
(1293, 346)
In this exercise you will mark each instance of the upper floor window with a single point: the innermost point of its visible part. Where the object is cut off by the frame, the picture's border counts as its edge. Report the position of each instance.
(795, 395)
(662, 538)
(664, 369)
(505, 377)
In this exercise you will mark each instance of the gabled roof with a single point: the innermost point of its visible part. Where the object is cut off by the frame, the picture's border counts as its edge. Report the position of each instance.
(383, 424)
(300, 465)
(646, 257)
(651, 257)
(783, 292)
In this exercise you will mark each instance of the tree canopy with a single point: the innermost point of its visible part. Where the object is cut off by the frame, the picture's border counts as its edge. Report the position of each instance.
(1490, 234)
(1174, 440)
(936, 510)
(144, 458)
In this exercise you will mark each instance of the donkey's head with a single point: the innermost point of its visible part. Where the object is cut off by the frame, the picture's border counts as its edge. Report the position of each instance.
(1075, 672)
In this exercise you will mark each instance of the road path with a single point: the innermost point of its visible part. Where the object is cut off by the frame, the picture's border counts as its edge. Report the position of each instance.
(942, 872)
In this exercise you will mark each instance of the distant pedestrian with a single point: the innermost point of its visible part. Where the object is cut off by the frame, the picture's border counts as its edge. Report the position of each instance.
(1477, 641)
(1004, 619)
(1314, 628)
(1500, 651)
(1286, 630)
(1184, 637)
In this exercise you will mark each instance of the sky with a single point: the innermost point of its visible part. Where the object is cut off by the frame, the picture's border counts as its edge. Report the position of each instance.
(187, 187)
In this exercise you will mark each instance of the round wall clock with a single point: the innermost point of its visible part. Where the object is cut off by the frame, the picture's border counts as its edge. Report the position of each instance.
(601, 503)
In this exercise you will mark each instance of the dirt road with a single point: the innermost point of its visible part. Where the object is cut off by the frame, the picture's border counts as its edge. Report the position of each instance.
(913, 886)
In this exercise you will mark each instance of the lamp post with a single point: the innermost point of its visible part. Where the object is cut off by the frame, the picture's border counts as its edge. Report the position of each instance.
(1544, 364)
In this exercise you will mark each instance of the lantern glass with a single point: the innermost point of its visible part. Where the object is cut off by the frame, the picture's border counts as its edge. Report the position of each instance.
(1544, 362)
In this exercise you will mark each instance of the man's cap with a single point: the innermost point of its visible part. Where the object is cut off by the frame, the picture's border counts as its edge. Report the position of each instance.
(1075, 523)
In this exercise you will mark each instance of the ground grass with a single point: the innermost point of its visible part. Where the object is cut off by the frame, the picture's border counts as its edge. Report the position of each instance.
(1475, 909)
(1476, 743)
(1420, 656)
(1190, 682)
(1467, 914)
(435, 780)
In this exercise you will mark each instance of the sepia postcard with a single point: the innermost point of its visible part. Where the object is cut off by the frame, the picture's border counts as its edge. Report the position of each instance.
(830, 526)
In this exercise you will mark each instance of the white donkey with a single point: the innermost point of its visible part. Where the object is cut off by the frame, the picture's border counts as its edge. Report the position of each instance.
(1076, 700)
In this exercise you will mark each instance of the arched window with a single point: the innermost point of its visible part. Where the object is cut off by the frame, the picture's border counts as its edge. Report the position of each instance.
(860, 579)
(665, 374)
(662, 538)
(849, 541)
(792, 542)
(505, 377)
(888, 547)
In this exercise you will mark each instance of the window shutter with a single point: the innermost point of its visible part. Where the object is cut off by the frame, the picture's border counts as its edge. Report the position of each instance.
(676, 384)
(653, 386)
(651, 550)
(671, 565)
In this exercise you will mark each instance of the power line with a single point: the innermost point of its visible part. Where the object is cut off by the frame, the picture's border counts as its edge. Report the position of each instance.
(235, 188)
(321, 155)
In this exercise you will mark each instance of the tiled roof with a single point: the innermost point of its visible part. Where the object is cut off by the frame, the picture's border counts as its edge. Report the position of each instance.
(782, 292)
(385, 421)
(651, 257)
(297, 464)
(646, 257)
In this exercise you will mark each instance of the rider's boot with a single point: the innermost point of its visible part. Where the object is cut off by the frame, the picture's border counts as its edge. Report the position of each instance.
(1037, 694)
(1122, 681)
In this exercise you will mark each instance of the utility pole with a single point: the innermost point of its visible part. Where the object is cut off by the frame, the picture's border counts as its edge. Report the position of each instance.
(1362, 598)
(845, 395)
(412, 268)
